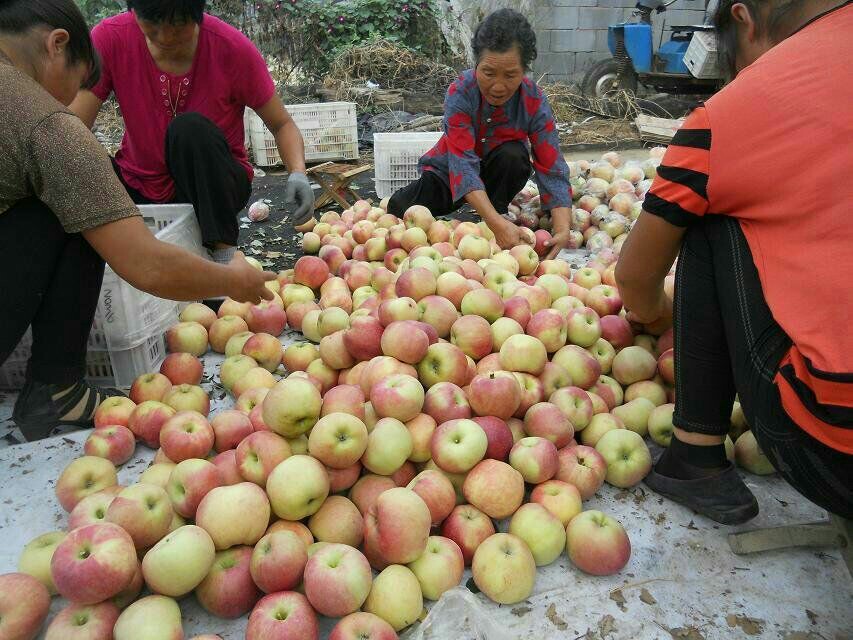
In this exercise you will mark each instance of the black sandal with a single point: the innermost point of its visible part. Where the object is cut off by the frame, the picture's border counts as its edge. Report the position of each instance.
(37, 414)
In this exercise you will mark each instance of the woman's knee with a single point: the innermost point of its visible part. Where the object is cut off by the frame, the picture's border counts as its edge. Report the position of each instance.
(192, 130)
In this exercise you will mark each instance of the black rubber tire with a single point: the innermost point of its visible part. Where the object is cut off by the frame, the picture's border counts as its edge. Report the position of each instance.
(604, 68)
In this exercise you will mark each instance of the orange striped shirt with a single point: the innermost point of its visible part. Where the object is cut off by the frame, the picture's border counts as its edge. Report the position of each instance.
(774, 149)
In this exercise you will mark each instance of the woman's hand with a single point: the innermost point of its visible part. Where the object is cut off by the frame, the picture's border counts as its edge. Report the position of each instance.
(248, 284)
(660, 316)
(557, 243)
(507, 234)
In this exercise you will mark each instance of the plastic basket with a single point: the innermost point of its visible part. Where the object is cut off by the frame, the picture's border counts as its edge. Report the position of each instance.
(329, 130)
(127, 331)
(109, 368)
(396, 156)
(701, 55)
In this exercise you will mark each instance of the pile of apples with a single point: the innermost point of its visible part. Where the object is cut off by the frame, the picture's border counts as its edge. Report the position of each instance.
(444, 385)
(607, 198)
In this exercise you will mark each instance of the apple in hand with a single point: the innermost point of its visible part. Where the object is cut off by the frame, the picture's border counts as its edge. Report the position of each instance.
(24, 605)
(282, 616)
(597, 544)
(504, 568)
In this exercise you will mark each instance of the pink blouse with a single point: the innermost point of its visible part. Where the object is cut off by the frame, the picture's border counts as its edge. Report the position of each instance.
(227, 75)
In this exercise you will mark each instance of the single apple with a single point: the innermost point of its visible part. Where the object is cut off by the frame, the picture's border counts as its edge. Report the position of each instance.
(234, 514)
(228, 590)
(597, 544)
(504, 568)
(93, 563)
(337, 580)
(542, 531)
(494, 487)
(627, 457)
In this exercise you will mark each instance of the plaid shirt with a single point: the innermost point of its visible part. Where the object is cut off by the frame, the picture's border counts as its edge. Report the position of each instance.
(473, 127)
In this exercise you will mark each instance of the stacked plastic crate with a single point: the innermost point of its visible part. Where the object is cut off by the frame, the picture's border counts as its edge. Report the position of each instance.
(127, 336)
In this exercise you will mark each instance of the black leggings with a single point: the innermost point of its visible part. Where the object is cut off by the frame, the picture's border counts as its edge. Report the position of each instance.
(51, 280)
(206, 175)
(727, 342)
(504, 171)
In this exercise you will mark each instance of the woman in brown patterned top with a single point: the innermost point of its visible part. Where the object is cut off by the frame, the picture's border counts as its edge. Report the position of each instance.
(63, 213)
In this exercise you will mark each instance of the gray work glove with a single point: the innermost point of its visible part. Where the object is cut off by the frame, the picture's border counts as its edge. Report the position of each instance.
(299, 194)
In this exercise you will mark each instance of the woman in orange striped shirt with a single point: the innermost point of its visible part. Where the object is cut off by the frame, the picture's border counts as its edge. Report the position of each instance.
(763, 291)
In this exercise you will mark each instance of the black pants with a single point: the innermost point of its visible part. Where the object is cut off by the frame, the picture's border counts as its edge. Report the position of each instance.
(727, 342)
(206, 175)
(504, 171)
(51, 280)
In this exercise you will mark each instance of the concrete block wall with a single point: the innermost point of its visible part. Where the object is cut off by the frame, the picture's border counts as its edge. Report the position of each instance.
(572, 34)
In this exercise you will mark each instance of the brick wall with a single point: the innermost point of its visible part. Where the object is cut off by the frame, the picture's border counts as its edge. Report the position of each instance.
(572, 34)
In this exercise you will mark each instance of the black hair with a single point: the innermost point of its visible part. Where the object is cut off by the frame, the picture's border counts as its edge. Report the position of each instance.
(503, 30)
(769, 19)
(17, 17)
(170, 11)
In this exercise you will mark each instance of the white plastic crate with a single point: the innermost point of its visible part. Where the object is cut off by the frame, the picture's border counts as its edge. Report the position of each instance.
(396, 156)
(127, 331)
(701, 56)
(329, 130)
(126, 316)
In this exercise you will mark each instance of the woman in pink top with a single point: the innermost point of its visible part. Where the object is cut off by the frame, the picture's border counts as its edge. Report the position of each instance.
(182, 79)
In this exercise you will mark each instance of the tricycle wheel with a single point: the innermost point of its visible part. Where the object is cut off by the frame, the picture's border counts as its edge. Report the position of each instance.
(603, 79)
